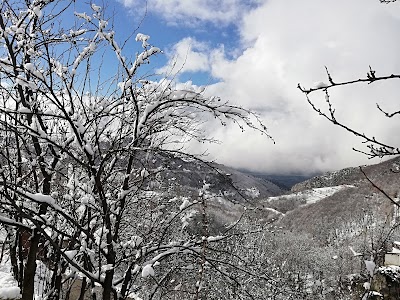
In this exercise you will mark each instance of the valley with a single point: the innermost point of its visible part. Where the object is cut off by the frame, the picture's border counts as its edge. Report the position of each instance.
(309, 242)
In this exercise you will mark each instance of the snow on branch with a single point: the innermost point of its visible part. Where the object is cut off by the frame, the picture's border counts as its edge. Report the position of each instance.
(83, 152)
(370, 78)
(377, 148)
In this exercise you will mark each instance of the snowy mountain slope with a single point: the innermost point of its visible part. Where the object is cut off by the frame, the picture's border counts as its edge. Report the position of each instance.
(232, 192)
(386, 170)
(174, 180)
(309, 196)
(188, 176)
(251, 185)
(331, 199)
(342, 199)
(335, 178)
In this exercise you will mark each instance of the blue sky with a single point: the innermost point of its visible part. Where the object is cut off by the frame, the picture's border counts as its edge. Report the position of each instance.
(165, 34)
(166, 31)
(255, 52)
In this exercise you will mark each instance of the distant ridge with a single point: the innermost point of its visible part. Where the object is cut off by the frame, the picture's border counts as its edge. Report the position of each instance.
(285, 182)
(389, 168)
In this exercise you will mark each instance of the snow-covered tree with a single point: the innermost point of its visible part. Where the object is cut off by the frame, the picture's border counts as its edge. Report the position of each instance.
(81, 150)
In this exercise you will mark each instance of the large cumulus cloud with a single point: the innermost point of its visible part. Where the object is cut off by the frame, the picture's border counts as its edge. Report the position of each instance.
(282, 43)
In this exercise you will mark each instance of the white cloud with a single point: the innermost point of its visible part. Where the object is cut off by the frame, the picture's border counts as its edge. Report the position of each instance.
(290, 41)
(194, 11)
(188, 55)
(287, 42)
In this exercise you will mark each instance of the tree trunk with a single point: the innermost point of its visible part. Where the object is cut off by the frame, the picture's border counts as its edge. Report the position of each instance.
(107, 286)
(13, 258)
(30, 268)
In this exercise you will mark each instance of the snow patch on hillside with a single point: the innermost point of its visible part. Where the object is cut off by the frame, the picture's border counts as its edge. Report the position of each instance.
(274, 211)
(313, 195)
(318, 194)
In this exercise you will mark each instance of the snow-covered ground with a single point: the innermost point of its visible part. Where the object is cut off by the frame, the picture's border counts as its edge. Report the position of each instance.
(8, 286)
